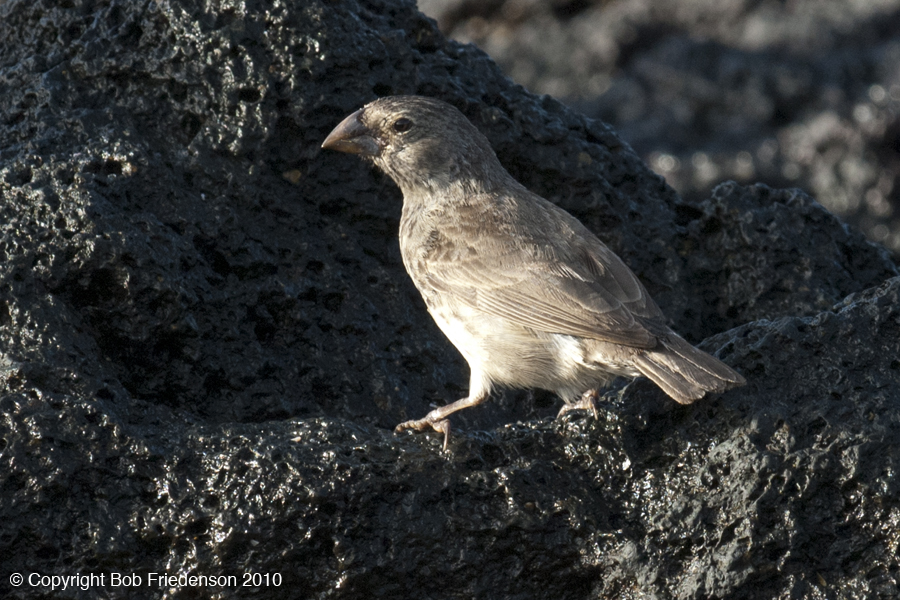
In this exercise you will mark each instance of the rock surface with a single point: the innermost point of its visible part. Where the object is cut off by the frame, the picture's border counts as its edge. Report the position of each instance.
(206, 336)
(803, 93)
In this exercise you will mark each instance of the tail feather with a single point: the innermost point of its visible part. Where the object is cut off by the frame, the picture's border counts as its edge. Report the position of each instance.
(684, 372)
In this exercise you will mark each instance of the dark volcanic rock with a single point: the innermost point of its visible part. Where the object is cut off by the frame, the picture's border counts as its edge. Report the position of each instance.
(206, 335)
(802, 93)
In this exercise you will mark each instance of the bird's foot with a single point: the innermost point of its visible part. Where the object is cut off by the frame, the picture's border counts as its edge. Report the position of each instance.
(588, 401)
(437, 423)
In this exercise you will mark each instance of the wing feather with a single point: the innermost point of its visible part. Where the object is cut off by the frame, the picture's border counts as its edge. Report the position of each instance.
(561, 279)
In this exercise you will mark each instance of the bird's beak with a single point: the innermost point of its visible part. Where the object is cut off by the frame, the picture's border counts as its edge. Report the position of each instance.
(352, 136)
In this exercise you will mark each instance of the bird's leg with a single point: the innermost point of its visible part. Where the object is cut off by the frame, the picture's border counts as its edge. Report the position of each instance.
(587, 402)
(437, 419)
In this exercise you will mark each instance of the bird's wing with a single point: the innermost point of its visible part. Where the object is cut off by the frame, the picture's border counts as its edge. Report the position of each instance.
(559, 281)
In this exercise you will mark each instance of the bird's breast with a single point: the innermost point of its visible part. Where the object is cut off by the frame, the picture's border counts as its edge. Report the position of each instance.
(511, 355)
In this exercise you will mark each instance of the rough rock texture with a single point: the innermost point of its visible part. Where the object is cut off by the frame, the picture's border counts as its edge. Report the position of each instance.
(206, 335)
(801, 93)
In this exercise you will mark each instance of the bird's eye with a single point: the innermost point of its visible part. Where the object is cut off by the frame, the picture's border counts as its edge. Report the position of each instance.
(402, 125)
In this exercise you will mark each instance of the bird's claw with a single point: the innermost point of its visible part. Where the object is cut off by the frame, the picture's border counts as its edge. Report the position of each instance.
(439, 425)
(588, 401)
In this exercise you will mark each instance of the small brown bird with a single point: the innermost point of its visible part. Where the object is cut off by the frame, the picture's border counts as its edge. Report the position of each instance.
(525, 292)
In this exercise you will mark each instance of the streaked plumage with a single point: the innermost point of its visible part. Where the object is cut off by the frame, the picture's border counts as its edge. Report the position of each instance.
(529, 296)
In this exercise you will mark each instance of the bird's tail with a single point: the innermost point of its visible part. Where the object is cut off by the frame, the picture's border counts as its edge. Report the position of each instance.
(684, 372)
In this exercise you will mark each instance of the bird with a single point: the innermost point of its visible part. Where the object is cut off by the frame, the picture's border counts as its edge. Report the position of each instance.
(526, 293)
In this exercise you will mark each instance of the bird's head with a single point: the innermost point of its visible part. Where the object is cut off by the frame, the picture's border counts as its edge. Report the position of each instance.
(423, 144)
